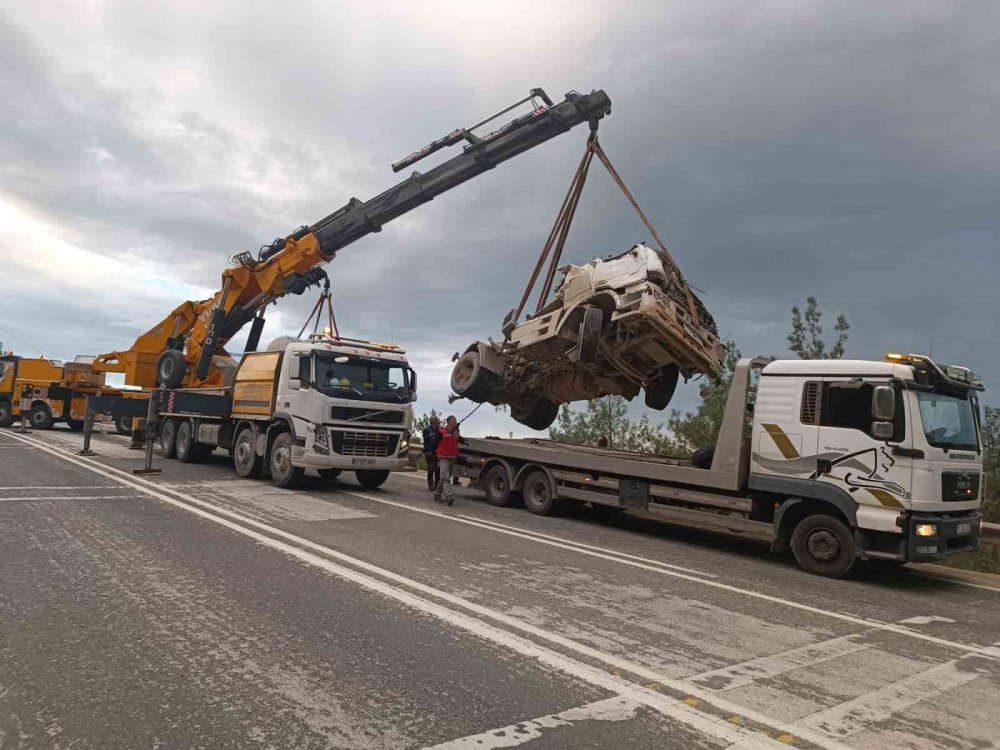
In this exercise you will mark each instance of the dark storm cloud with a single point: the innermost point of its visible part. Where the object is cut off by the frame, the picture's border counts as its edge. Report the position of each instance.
(845, 151)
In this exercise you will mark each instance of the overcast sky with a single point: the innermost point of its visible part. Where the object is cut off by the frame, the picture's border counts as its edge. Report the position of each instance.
(849, 151)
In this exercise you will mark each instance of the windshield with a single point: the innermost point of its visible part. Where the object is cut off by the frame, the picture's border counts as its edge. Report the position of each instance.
(949, 421)
(362, 378)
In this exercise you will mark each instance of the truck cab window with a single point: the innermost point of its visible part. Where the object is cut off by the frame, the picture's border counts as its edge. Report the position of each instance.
(849, 405)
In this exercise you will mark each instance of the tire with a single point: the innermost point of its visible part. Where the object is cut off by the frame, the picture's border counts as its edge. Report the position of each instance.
(170, 368)
(590, 333)
(823, 545)
(123, 425)
(371, 479)
(470, 379)
(279, 462)
(329, 473)
(245, 459)
(496, 485)
(661, 390)
(168, 439)
(187, 449)
(702, 458)
(539, 416)
(539, 497)
(41, 417)
(75, 424)
(6, 414)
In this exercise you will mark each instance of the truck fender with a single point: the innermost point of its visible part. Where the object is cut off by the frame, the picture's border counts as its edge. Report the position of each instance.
(794, 509)
(518, 484)
(489, 358)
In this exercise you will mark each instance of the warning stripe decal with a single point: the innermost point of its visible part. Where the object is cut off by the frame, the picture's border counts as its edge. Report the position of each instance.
(781, 440)
(884, 498)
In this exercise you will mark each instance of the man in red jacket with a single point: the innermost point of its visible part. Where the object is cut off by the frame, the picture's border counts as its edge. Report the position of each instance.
(447, 452)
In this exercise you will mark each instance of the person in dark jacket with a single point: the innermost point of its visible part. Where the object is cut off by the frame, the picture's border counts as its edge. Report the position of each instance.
(432, 436)
(447, 452)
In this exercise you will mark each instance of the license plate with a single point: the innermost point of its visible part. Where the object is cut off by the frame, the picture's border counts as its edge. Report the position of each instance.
(963, 528)
(362, 462)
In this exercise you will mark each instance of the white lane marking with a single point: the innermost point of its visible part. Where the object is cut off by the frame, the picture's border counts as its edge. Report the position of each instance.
(990, 651)
(956, 581)
(618, 708)
(699, 720)
(674, 708)
(764, 667)
(925, 620)
(68, 497)
(878, 705)
(22, 447)
(61, 487)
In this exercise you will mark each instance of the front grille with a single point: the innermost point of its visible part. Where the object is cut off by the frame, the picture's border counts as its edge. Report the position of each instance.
(959, 486)
(360, 414)
(365, 444)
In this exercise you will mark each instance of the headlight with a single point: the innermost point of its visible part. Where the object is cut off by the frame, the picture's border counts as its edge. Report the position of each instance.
(926, 529)
(321, 437)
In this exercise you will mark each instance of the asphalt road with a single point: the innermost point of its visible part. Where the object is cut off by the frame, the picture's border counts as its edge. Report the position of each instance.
(195, 609)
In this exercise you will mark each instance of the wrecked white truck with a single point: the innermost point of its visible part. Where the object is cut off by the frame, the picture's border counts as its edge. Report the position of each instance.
(615, 326)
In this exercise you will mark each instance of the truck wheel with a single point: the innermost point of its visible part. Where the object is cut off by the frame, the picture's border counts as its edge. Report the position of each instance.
(539, 497)
(6, 414)
(539, 416)
(188, 451)
(496, 484)
(41, 417)
(661, 390)
(75, 424)
(279, 462)
(170, 368)
(470, 379)
(245, 459)
(590, 333)
(371, 479)
(823, 545)
(168, 439)
(123, 425)
(329, 473)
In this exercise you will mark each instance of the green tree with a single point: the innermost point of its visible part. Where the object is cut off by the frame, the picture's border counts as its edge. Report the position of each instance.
(991, 463)
(606, 418)
(805, 339)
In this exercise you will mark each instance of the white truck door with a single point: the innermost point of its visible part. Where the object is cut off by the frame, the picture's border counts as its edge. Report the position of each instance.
(877, 472)
(786, 430)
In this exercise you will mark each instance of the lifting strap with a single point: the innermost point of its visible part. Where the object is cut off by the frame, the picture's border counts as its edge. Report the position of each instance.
(564, 219)
(317, 312)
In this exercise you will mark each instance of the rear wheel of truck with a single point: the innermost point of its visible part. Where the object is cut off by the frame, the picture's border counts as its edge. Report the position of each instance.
(279, 462)
(6, 414)
(329, 473)
(539, 497)
(496, 485)
(188, 451)
(245, 459)
(469, 379)
(41, 417)
(538, 416)
(661, 390)
(823, 545)
(168, 439)
(371, 479)
(123, 425)
(590, 333)
(170, 368)
(75, 424)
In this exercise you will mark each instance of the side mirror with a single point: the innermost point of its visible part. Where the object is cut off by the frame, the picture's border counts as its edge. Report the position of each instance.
(883, 430)
(305, 371)
(413, 382)
(883, 404)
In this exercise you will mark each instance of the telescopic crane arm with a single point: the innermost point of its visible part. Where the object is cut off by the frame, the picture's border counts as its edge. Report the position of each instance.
(187, 347)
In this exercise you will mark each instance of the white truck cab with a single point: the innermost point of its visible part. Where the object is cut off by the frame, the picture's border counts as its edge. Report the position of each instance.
(894, 445)
(349, 404)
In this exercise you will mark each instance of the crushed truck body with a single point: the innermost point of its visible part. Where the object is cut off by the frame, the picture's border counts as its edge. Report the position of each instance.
(615, 326)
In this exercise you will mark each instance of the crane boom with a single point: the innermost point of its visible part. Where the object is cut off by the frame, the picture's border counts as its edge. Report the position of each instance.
(187, 347)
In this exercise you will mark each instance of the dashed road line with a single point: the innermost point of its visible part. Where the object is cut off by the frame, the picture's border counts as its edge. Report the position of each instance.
(67, 497)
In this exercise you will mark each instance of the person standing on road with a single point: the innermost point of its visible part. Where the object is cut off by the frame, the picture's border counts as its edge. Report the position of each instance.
(432, 436)
(447, 453)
